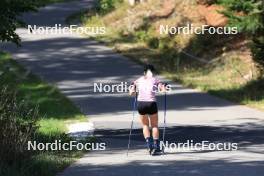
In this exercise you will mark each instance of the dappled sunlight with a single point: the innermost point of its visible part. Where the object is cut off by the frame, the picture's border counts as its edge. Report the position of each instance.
(248, 157)
(69, 65)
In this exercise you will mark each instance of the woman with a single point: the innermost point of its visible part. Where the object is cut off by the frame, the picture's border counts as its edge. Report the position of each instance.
(145, 88)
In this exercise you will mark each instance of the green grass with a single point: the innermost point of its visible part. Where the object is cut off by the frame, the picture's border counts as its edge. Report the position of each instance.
(45, 164)
(53, 106)
(55, 112)
(221, 78)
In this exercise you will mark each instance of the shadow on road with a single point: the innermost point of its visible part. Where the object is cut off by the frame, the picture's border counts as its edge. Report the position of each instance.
(76, 64)
(244, 162)
(175, 168)
(246, 135)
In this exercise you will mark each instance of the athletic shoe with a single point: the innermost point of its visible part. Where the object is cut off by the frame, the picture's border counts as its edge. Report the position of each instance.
(156, 149)
(150, 149)
(149, 142)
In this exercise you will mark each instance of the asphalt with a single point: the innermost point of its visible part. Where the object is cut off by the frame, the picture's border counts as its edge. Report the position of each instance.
(74, 64)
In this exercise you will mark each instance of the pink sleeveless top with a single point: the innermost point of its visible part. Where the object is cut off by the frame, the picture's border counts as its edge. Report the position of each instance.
(147, 88)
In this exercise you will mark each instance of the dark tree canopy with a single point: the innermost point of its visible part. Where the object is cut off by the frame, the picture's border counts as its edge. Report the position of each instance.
(10, 12)
(248, 16)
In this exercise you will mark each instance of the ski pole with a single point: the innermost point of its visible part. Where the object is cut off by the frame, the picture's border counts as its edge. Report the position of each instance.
(164, 118)
(132, 123)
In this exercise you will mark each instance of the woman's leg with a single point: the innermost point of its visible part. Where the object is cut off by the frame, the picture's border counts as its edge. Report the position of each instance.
(154, 120)
(145, 124)
(146, 133)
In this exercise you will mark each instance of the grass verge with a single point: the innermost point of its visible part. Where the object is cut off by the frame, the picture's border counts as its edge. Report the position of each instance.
(55, 112)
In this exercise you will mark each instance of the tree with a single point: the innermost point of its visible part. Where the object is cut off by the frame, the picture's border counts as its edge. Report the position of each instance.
(258, 43)
(10, 12)
(248, 16)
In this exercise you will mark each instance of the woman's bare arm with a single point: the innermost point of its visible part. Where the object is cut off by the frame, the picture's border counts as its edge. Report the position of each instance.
(162, 87)
(132, 90)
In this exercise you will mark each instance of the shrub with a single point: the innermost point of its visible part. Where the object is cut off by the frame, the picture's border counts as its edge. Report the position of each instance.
(205, 1)
(258, 52)
(105, 6)
(250, 21)
(142, 36)
(18, 125)
(153, 43)
(10, 11)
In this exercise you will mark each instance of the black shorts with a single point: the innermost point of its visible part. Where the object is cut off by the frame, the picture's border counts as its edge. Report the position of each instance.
(147, 107)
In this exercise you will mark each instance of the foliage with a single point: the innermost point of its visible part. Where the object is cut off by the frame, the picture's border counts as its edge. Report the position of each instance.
(245, 14)
(10, 12)
(258, 51)
(205, 1)
(248, 16)
(48, 124)
(18, 125)
(141, 36)
(105, 6)
(153, 42)
(10, 16)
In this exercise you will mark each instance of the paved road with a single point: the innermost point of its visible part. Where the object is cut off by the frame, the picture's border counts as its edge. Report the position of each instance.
(74, 64)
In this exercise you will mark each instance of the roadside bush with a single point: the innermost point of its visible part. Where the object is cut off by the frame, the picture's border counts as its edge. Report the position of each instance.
(165, 43)
(248, 16)
(105, 6)
(142, 36)
(205, 1)
(153, 43)
(18, 125)
(258, 52)
(10, 12)
(170, 59)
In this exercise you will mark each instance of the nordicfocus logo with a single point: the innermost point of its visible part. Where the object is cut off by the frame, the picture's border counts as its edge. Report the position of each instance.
(190, 29)
(57, 145)
(59, 29)
(124, 87)
(189, 145)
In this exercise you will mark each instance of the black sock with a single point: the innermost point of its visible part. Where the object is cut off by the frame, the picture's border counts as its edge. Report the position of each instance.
(156, 141)
(148, 139)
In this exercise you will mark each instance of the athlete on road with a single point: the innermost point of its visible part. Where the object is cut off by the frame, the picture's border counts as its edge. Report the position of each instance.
(145, 88)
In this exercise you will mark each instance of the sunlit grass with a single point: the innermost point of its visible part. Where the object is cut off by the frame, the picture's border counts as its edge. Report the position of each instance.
(55, 112)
